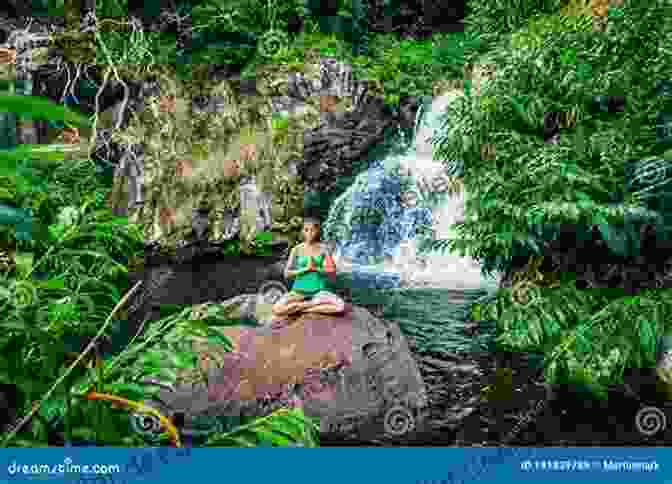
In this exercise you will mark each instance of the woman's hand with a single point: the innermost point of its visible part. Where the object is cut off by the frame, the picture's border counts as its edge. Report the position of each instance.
(330, 267)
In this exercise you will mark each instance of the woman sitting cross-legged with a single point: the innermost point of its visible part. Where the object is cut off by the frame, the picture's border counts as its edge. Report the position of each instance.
(314, 262)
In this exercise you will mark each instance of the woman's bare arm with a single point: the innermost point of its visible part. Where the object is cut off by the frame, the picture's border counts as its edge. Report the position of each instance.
(289, 273)
(326, 250)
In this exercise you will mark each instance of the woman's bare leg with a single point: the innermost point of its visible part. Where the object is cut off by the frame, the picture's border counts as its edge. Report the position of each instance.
(288, 305)
(325, 303)
(324, 309)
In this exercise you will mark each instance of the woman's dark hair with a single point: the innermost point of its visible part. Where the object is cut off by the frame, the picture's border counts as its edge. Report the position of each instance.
(312, 216)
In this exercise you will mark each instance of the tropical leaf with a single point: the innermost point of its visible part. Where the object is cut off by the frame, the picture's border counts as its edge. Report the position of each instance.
(647, 341)
(131, 391)
(219, 339)
(182, 359)
(283, 427)
(41, 108)
(27, 443)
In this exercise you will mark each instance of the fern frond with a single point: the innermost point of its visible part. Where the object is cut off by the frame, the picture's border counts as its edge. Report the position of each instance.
(283, 428)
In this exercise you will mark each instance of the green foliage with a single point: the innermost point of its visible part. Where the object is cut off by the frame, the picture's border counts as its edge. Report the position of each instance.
(111, 8)
(258, 247)
(255, 16)
(396, 69)
(86, 249)
(578, 181)
(285, 427)
(455, 50)
(220, 47)
(492, 19)
(589, 338)
(39, 108)
(520, 197)
(22, 164)
(412, 67)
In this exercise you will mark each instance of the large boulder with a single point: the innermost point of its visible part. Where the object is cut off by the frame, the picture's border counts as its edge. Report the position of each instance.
(353, 372)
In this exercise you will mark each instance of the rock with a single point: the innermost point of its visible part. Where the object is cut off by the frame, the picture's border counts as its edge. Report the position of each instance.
(457, 414)
(301, 88)
(205, 172)
(203, 274)
(349, 371)
(331, 150)
(287, 106)
(229, 222)
(255, 208)
(244, 307)
(408, 110)
(351, 121)
(466, 369)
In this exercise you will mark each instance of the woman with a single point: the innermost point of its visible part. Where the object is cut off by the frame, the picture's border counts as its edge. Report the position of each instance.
(313, 262)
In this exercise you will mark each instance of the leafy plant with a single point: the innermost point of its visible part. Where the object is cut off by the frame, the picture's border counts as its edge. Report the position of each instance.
(259, 245)
(285, 427)
(492, 19)
(520, 197)
(12, 162)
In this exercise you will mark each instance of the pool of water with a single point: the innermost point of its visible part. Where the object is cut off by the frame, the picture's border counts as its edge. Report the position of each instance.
(437, 319)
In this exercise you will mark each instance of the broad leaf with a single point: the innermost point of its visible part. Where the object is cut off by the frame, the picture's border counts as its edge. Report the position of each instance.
(41, 108)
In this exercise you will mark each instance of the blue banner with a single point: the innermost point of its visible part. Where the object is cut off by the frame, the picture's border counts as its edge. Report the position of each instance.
(337, 465)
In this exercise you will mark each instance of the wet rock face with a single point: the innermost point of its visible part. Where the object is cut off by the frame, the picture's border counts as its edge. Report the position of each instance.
(332, 149)
(343, 136)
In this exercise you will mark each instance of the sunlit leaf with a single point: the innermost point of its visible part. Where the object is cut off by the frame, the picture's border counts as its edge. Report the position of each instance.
(41, 108)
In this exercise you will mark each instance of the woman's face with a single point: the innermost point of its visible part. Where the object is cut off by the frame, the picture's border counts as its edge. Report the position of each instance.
(311, 232)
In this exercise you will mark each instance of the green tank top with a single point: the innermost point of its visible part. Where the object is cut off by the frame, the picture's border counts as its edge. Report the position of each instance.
(312, 282)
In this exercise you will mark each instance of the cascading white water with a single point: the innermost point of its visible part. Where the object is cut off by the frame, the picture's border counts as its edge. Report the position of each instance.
(445, 270)
(414, 270)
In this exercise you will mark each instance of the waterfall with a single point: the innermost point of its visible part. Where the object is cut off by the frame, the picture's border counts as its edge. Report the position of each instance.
(384, 252)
